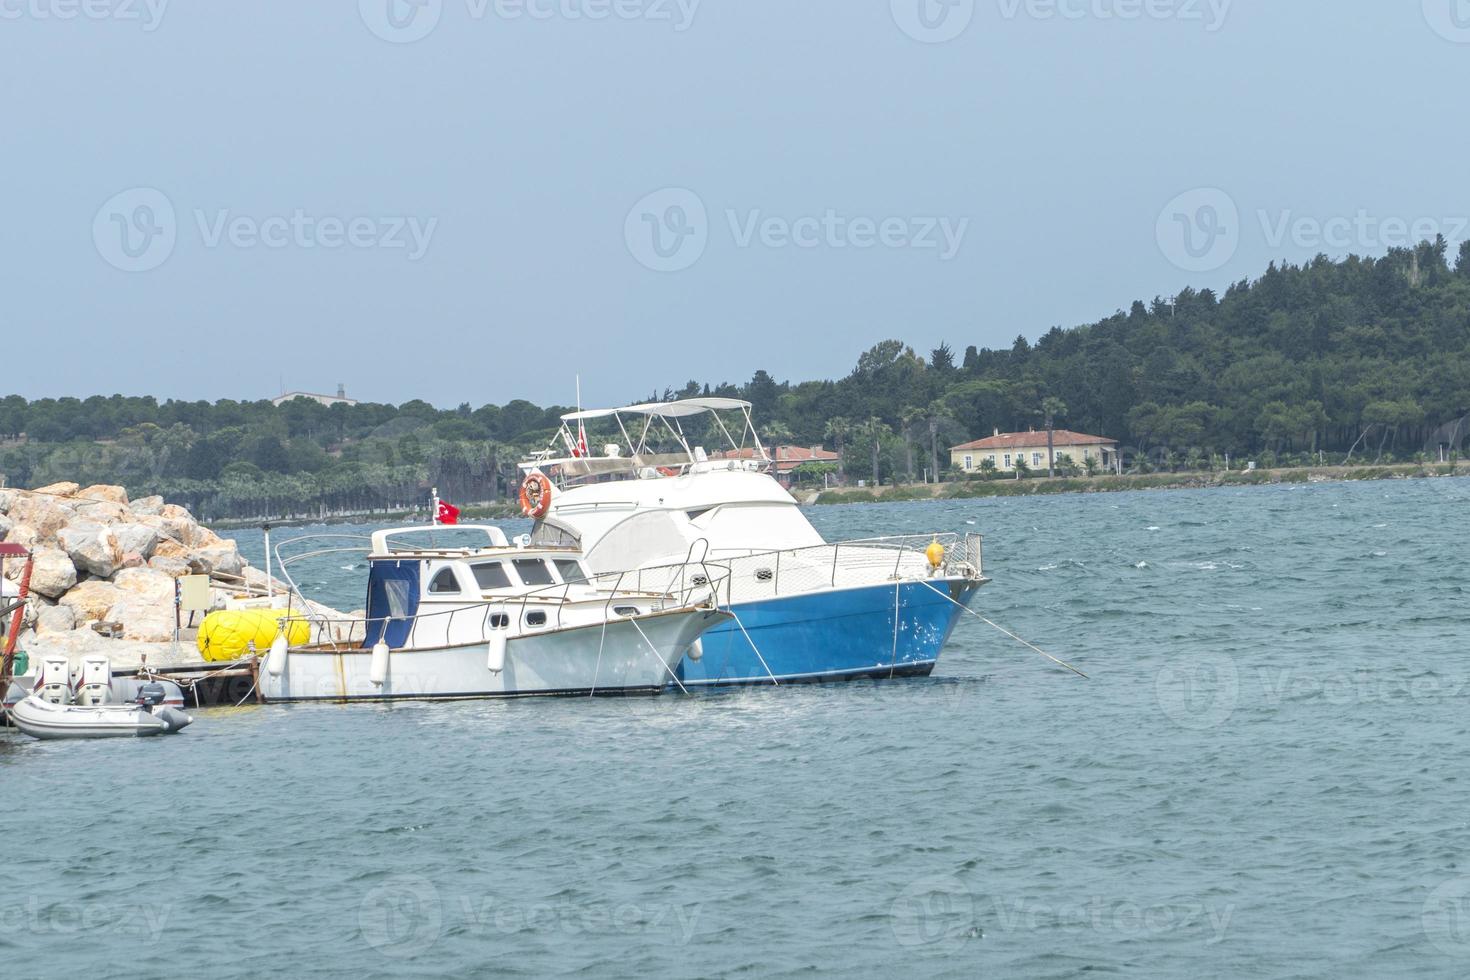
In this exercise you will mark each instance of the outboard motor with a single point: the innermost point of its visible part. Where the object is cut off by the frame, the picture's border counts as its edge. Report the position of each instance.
(53, 682)
(150, 695)
(150, 699)
(94, 682)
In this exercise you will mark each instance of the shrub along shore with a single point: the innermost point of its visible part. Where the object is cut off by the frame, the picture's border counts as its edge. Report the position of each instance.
(1009, 487)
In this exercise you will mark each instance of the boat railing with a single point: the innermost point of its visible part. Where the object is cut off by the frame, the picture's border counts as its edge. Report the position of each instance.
(845, 564)
(622, 595)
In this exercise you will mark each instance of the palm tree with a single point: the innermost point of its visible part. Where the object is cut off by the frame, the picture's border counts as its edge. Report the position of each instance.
(1051, 408)
(837, 430)
(936, 415)
(776, 434)
(873, 431)
(910, 419)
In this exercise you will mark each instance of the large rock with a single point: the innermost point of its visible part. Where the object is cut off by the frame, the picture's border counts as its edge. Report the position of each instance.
(60, 489)
(7, 497)
(92, 599)
(55, 619)
(145, 604)
(54, 574)
(172, 567)
(102, 491)
(138, 538)
(42, 514)
(101, 511)
(23, 535)
(5, 525)
(147, 506)
(93, 547)
(224, 560)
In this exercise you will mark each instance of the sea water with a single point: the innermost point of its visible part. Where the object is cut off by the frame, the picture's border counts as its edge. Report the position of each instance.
(1263, 775)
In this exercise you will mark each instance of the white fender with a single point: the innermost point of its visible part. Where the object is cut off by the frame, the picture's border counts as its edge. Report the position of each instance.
(378, 672)
(696, 650)
(495, 659)
(275, 660)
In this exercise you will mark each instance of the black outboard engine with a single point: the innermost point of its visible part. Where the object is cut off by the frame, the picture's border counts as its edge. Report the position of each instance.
(150, 695)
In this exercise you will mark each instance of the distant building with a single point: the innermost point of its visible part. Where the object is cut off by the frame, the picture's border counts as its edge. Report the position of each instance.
(340, 398)
(1004, 449)
(787, 459)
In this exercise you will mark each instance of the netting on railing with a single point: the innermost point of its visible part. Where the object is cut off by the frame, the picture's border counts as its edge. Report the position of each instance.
(847, 564)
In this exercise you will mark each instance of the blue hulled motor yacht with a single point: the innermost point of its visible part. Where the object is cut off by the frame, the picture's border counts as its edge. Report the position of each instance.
(803, 609)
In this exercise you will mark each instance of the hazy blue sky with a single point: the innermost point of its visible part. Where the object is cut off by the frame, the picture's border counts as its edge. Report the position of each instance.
(461, 196)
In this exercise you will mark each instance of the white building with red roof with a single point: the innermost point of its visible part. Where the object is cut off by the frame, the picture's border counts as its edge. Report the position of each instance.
(1005, 449)
(786, 459)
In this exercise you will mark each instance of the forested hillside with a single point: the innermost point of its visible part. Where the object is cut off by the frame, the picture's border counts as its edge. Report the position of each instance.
(1364, 355)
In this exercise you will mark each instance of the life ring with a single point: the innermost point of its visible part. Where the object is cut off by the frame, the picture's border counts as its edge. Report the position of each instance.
(535, 495)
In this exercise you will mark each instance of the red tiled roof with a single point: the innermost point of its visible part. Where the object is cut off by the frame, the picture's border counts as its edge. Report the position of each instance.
(1029, 440)
(787, 457)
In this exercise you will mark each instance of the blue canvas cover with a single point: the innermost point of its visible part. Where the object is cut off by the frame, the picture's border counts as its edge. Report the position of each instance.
(392, 601)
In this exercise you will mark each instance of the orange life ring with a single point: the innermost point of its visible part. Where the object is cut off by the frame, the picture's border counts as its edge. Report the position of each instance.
(535, 495)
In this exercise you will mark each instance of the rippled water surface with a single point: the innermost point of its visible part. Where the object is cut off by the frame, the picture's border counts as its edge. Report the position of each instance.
(1264, 776)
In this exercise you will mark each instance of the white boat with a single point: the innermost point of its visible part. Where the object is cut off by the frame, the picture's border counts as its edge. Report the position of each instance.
(40, 718)
(490, 619)
(804, 609)
(91, 682)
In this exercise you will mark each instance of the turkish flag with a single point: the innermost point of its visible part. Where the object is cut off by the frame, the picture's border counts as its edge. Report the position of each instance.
(448, 513)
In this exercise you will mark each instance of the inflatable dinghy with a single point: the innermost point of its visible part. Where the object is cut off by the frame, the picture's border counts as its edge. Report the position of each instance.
(148, 715)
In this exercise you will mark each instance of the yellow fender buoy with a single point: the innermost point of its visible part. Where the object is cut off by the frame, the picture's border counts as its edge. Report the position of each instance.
(935, 554)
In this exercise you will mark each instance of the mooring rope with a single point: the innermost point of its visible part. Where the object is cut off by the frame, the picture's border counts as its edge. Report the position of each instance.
(769, 672)
(1007, 632)
(653, 652)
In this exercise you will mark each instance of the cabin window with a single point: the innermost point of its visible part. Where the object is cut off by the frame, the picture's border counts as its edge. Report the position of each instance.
(491, 575)
(396, 592)
(695, 515)
(764, 575)
(571, 571)
(626, 610)
(548, 535)
(444, 583)
(533, 571)
(499, 621)
(537, 618)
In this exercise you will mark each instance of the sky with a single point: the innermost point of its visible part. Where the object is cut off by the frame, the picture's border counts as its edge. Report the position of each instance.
(480, 200)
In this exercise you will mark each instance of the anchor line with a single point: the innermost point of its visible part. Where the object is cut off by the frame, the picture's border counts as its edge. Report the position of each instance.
(652, 652)
(893, 662)
(597, 670)
(757, 649)
(1007, 632)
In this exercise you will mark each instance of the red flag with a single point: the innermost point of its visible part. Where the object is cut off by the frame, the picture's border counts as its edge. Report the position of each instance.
(448, 513)
(581, 440)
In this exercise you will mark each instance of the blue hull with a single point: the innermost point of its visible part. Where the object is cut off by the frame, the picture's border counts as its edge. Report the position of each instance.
(837, 635)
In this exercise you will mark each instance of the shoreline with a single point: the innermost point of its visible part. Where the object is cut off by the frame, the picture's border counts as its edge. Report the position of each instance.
(1199, 480)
